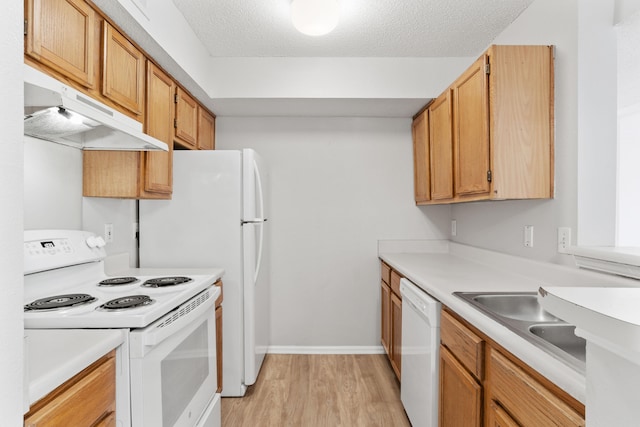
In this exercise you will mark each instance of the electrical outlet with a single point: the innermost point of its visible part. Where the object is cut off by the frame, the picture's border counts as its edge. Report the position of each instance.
(454, 227)
(528, 236)
(564, 239)
(108, 233)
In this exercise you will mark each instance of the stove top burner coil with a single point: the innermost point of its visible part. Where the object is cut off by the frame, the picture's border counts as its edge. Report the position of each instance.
(58, 302)
(125, 303)
(118, 281)
(166, 281)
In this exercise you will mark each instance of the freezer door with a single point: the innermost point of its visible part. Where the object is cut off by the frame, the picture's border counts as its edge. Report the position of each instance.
(255, 183)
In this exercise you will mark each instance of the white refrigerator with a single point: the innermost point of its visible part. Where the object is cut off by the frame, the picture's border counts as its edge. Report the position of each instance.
(217, 217)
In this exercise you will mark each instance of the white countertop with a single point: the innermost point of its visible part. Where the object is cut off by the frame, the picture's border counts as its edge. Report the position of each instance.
(55, 355)
(609, 316)
(453, 267)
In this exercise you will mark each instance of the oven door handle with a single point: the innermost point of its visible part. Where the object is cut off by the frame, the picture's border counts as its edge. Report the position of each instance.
(178, 319)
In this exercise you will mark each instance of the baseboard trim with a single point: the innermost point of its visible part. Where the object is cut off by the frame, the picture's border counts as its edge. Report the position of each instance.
(325, 350)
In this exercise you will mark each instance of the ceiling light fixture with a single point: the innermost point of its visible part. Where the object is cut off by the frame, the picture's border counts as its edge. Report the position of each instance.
(315, 17)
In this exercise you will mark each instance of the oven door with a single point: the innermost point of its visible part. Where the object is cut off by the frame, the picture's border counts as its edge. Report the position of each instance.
(173, 365)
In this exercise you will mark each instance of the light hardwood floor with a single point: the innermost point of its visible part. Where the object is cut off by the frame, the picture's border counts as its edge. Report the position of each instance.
(319, 390)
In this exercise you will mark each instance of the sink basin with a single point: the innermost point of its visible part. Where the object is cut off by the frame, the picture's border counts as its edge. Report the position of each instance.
(563, 337)
(515, 306)
(522, 313)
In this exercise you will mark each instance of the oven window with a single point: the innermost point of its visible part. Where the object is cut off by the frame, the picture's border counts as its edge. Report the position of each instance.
(183, 372)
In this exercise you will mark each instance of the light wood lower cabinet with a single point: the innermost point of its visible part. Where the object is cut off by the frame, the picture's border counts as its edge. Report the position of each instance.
(461, 374)
(396, 334)
(385, 318)
(460, 394)
(88, 399)
(391, 317)
(526, 400)
(483, 384)
(497, 417)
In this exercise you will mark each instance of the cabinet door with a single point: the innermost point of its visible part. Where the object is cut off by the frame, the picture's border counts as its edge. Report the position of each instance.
(59, 35)
(498, 417)
(396, 334)
(186, 122)
(460, 394)
(157, 166)
(206, 130)
(421, 172)
(441, 147)
(471, 130)
(385, 317)
(122, 70)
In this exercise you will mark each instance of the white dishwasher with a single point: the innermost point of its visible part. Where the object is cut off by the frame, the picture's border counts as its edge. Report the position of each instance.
(420, 355)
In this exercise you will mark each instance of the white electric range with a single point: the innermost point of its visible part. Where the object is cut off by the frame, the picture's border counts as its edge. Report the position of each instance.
(166, 366)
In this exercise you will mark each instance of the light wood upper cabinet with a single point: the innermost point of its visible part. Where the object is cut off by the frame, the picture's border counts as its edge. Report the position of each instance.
(60, 36)
(206, 130)
(441, 147)
(471, 130)
(138, 174)
(502, 112)
(157, 166)
(521, 90)
(186, 120)
(123, 70)
(421, 164)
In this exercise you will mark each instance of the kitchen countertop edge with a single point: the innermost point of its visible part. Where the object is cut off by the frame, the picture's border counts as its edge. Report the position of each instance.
(75, 349)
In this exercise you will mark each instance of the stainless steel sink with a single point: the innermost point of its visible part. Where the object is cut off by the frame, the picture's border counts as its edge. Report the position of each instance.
(563, 337)
(522, 313)
(515, 306)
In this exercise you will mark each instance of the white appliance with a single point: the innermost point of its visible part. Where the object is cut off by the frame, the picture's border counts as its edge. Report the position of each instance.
(166, 368)
(420, 355)
(218, 216)
(59, 113)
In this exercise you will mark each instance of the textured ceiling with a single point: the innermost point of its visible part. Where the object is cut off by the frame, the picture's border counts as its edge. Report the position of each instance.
(367, 28)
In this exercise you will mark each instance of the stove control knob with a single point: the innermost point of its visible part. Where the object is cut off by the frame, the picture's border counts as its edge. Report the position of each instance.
(100, 242)
(92, 242)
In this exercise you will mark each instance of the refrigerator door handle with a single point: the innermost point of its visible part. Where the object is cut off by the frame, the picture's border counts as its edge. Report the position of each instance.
(253, 221)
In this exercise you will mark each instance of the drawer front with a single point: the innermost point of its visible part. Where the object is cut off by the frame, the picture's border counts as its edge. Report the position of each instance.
(463, 343)
(385, 272)
(395, 283)
(528, 402)
(84, 403)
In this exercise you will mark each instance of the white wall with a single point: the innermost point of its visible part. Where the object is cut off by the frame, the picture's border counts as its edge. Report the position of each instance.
(11, 325)
(52, 185)
(53, 197)
(499, 225)
(337, 185)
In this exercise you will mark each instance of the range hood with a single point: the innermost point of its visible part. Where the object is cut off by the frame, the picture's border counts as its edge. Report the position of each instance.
(56, 112)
